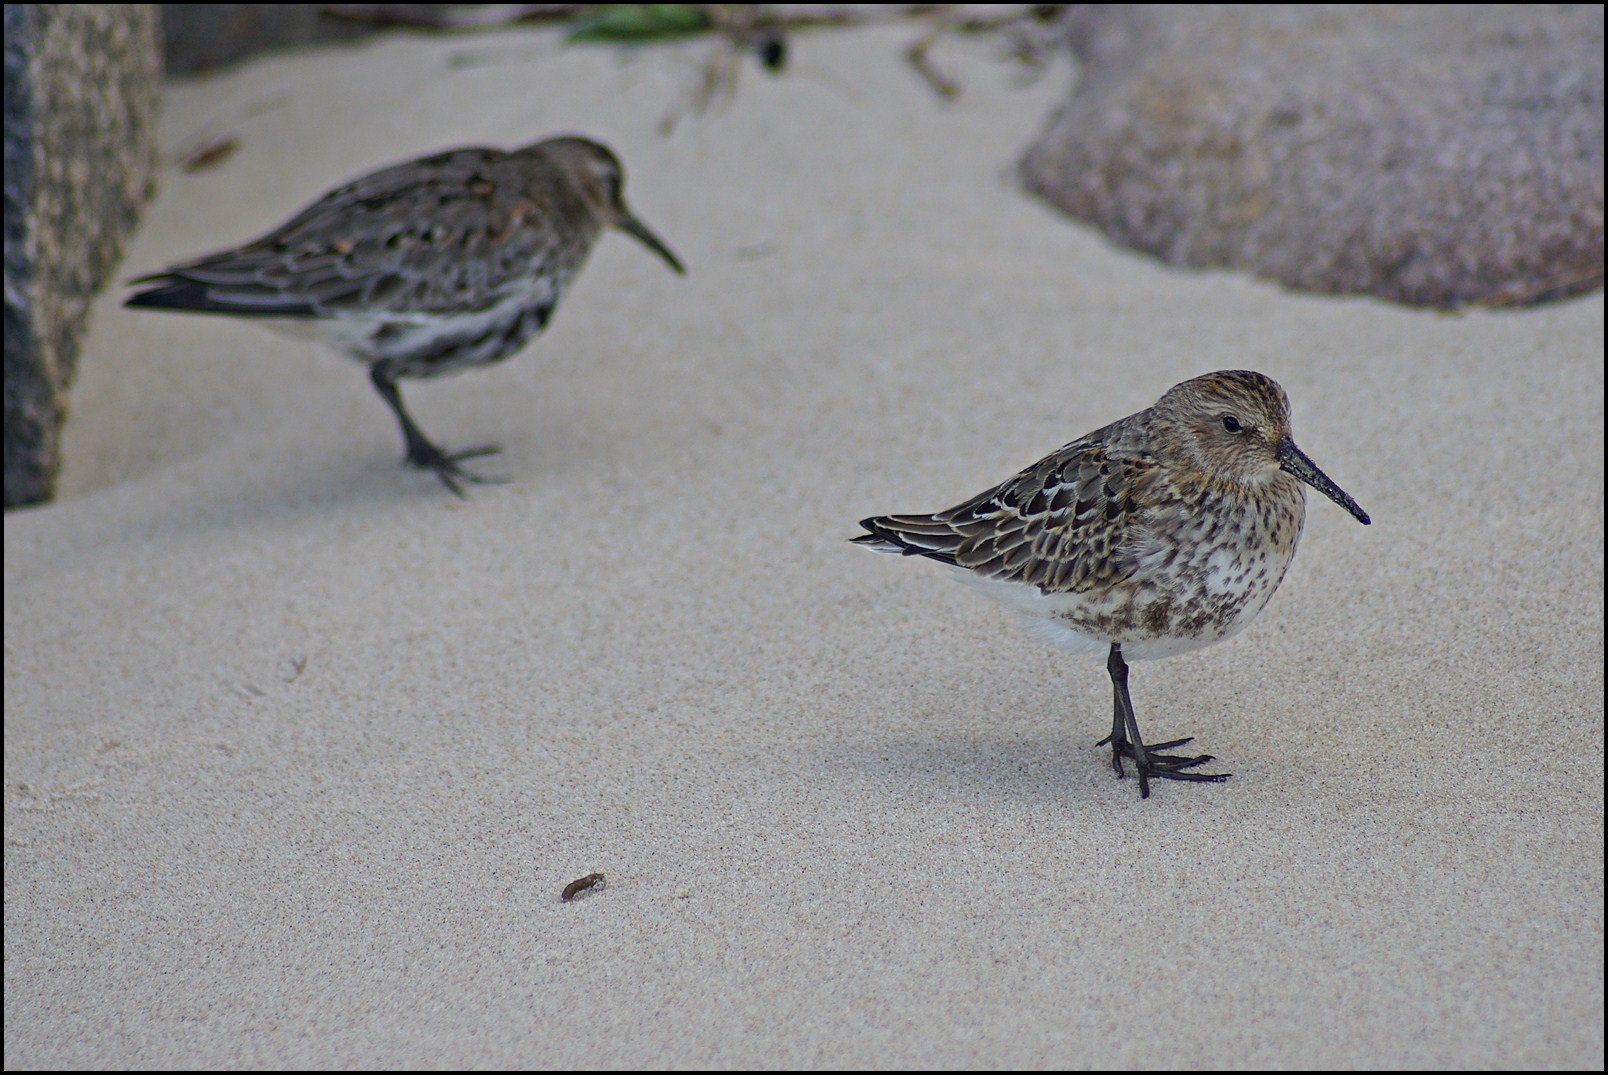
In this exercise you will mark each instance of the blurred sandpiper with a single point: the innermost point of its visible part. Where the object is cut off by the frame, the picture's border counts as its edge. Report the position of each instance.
(428, 267)
(1158, 534)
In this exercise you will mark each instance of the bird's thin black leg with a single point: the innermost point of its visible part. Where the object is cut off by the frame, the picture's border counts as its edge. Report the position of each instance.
(1126, 742)
(421, 452)
(1119, 717)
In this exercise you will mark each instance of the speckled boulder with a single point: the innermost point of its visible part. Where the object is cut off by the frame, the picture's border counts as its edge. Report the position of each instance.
(1433, 155)
(83, 82)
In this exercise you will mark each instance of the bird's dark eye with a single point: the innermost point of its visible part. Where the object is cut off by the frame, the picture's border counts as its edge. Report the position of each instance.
(1231, 423)
(608, 179)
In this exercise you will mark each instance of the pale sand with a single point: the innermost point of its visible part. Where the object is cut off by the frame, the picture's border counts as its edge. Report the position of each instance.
(850, 814)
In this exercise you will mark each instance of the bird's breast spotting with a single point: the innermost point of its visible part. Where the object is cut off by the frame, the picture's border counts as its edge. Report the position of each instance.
(431, 346)
(1198, 576)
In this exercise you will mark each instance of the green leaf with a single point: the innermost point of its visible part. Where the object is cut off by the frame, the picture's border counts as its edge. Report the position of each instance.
(639, 22)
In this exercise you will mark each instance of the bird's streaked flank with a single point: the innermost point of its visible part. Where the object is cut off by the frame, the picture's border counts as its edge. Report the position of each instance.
(428, 267)
(1158, 534)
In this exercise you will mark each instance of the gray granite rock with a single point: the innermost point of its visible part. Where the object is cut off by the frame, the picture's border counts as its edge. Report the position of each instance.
(1430, 154)
(82, 85)
(199, 37)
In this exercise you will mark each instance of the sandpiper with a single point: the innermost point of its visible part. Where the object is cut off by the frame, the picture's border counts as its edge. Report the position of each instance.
(427, 267)
(1158, 534)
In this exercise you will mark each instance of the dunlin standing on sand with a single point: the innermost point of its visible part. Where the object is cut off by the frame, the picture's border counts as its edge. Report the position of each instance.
(427, 267)
(1161, 533)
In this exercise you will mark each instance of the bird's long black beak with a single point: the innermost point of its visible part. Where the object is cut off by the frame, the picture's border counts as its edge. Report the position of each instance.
(638, 230)
(1294, 461)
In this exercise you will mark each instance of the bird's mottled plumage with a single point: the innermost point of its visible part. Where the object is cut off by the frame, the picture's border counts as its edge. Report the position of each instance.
(1160, 533)
(424, 268)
